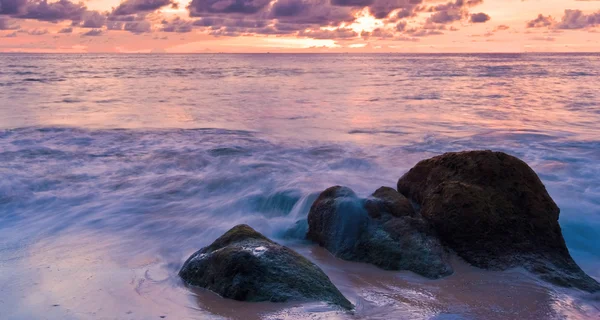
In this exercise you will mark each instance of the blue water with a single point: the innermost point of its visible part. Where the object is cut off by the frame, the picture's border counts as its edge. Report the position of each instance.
(114, 168)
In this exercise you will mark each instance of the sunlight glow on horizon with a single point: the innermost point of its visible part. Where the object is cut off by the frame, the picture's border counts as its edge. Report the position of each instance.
(233, 31)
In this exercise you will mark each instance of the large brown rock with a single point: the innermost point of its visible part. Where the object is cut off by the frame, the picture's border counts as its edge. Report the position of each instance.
(493, 210)
(383, 230)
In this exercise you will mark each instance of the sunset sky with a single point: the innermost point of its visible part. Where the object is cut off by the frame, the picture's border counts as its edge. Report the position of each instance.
(299, 26)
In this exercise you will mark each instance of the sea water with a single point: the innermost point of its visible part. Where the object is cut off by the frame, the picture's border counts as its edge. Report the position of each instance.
(115, 168)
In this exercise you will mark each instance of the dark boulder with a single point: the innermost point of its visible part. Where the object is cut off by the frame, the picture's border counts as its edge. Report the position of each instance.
(388, 200)
(382, 230)
(493, 210)
(244, 265)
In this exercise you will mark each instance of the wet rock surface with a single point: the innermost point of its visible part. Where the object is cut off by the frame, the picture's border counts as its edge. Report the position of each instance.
(383, 230)
(245, 265)
(493, 211)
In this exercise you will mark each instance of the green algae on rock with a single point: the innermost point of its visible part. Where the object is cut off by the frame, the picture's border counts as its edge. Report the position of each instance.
(383, 230)
(245, 265)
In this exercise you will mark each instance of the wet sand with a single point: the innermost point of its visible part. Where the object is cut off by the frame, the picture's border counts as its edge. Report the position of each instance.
(75, 279)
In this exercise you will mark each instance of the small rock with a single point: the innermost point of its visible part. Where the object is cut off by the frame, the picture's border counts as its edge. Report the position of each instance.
(244, 265)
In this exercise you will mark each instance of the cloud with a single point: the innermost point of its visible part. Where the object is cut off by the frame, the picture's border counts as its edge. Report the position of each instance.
(138, 27)
(93, 20)
(12, 7)
(177, 25)
(479, 17)
(66, 30)
(378, 33)
(11, 35)
(236, 17)
(129, 7)
(576, 19)
(401, 26)
(423, 32)
(571, 20)
(7, 24)
(200, 7)
(310, 12)
(38, 32)
(339, 33)
(543, 39)
(53, 11)
(114, 25)
(92, 33)
(540, 22)
(450, 12)
(323, 18)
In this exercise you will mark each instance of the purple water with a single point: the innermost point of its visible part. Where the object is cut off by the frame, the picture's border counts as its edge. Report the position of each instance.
(115, 168)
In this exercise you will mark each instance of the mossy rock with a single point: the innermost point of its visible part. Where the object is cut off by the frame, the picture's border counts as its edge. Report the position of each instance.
(383, 230)
(493, 210)
(245, 265)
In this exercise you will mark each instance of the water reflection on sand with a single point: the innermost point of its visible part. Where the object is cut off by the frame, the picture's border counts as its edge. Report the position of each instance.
(95, 275)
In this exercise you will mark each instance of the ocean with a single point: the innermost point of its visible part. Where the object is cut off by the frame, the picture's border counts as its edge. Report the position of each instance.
(115, 168)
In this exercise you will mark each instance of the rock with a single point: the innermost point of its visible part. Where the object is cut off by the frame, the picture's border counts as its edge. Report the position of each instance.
(493, 210)
(388, 200)
(244, 265)
(382, 230)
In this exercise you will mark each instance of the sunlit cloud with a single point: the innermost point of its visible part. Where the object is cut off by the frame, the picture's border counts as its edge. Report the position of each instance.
(162, 25)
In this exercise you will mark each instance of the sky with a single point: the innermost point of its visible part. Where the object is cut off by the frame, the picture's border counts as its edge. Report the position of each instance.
(214, 26)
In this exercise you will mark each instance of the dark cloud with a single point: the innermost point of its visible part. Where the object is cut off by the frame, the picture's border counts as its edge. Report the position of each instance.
(479, 17)
(138, 27)
(177, 25)
(382, 8)
(289, 8)
(423, 32)
(53, 11)
(450, 12)
(199, 7)
(12, 7)
(127, 18)
(114, 25)
(7, 24)
(401, 26)
(576, 19)
(216, 23)
(352, 3)
(129, 7)
(313, 12)
(446, 16)
(378, 34)
(540, 22)
(571, 20)
(405, 13)
(93, 20)
(228, 18)
(135, 23)
(308, 17)
(92, 33)
(226, 32)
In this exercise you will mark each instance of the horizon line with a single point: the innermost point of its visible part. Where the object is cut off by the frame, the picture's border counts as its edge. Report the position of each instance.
(301, 52)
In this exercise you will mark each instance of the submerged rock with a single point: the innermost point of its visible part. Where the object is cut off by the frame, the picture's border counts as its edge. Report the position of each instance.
(383, 230)
(493, 210)
(245, 265)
